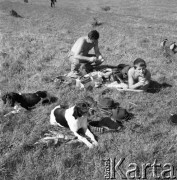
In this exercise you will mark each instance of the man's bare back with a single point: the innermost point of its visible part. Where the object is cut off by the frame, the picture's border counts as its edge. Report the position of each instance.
(82, 47)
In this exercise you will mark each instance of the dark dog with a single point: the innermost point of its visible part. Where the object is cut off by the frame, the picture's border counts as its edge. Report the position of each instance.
(26, 100)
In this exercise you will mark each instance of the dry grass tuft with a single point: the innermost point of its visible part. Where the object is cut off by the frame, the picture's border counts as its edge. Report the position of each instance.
(17, 68)
(95, 22)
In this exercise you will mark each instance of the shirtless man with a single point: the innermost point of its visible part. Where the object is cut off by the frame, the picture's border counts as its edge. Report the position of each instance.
(138, 76)
(79, 53)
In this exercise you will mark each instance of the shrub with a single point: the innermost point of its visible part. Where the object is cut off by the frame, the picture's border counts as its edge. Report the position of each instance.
(15, 14)
(106, 8)
(95, 22)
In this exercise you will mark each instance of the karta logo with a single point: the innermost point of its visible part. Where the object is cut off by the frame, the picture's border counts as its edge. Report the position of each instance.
(117, 169)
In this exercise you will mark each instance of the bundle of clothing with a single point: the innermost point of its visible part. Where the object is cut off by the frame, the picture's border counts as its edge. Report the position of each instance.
(108, 116)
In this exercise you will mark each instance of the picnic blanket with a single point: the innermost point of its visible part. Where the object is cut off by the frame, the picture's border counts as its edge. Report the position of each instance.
(95, 79)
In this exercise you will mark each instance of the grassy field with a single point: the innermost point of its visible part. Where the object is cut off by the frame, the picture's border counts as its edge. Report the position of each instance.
(33, 50)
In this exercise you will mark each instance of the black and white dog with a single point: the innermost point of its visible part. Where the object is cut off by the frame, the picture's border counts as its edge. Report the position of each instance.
(75, 119)
(25, 100)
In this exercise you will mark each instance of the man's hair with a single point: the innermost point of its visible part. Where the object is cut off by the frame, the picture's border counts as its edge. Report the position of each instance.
(139, 62)
(93, 34)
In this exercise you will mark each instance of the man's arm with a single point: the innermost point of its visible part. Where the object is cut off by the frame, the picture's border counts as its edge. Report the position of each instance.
(96, 49)
(147, 81)
(100, 58)
(97, 52)
(148, 76)
(131, 82)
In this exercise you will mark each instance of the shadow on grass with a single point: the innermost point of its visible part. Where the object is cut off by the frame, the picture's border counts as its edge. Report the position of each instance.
(155, 87)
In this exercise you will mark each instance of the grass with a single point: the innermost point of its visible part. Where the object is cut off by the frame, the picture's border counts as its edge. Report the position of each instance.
(34, 50)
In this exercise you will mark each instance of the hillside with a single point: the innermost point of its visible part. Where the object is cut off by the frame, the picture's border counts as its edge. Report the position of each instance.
(33, 50)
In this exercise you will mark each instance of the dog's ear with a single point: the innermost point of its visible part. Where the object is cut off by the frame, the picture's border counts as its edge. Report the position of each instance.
(77, 112)
(8, 98)
(81, 109)
(42, 94)
(12, 98)
(4, 98)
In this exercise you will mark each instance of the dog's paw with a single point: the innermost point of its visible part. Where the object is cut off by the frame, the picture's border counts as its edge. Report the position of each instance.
(91, 146)
(95, 143)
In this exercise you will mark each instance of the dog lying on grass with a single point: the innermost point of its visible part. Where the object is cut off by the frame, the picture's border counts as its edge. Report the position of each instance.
(75, 119)
(26, 100)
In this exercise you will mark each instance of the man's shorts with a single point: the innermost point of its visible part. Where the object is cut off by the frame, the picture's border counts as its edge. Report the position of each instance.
(75, 64)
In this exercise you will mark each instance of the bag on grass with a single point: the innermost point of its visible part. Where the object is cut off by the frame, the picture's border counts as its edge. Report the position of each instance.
(121, 72)
(173, 119)
(120, 114)
(104, 125)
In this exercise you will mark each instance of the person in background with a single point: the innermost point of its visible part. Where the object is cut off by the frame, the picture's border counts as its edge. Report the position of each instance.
(53, 3)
